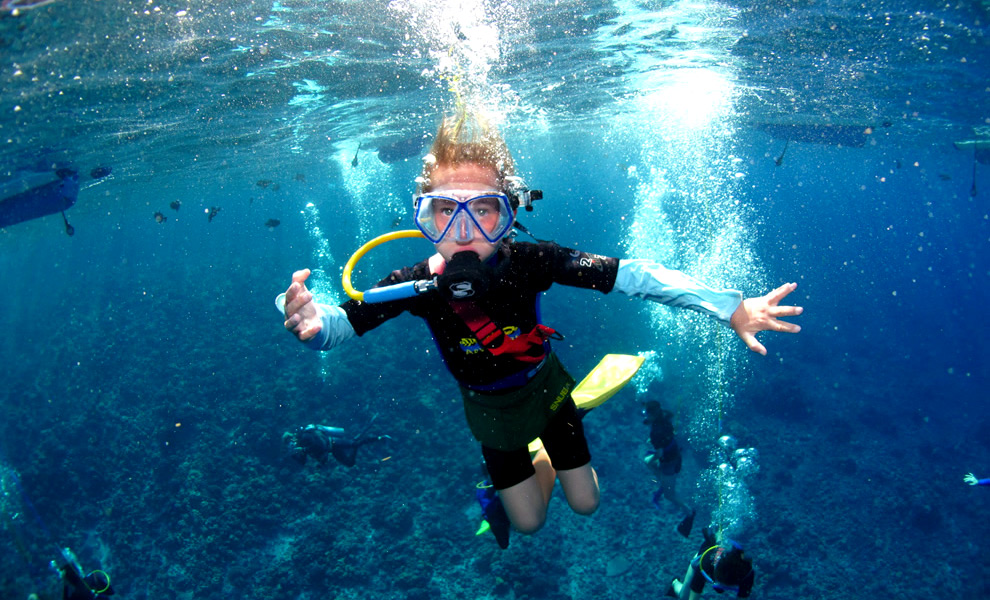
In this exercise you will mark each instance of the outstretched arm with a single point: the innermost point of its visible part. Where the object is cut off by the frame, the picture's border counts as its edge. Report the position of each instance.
(760, 314)
(646, 279)
(320, 326)
(972, 480)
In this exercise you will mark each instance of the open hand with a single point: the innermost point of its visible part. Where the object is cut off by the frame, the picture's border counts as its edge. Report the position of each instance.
(760, 314)
(302, 317)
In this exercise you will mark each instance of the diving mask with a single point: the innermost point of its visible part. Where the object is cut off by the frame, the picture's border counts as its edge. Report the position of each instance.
(457, 214)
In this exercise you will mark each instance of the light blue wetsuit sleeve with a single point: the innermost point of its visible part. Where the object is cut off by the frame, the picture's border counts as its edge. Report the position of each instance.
(642, 278)
(336, 328)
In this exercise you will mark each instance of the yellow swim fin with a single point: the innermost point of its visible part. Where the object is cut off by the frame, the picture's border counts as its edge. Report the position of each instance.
(605, 380)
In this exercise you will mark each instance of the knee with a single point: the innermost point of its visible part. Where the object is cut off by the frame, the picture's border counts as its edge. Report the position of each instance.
(586, 503)
(529, 524)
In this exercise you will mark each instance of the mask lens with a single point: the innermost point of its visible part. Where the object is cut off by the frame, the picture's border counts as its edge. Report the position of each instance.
(457, 215)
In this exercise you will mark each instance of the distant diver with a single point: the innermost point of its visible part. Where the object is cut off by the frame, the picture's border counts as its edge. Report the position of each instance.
(271, 224)
(212, 212)
(174, 205)
(780, 159)
(47, 199)
(160, 218)
(354, 161)
(76, 586)
(725, 566)
(665, 461)
(320, 441)
(100, 172)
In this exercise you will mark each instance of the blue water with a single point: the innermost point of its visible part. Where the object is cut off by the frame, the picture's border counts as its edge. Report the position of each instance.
(148, 380)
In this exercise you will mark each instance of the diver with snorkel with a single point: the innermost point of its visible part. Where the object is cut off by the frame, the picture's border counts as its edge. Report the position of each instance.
(479, 295)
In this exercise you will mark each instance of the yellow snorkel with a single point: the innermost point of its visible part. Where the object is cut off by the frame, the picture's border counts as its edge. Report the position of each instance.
(407, 289)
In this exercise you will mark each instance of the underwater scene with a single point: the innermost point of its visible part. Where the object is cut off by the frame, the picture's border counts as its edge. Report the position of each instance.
(167, 167)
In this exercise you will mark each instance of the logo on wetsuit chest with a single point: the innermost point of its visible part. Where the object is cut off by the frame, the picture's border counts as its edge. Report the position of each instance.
(470, 345)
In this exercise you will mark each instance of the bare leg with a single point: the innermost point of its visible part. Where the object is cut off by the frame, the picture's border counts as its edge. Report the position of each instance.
(580, 486)
(683, 590)
(526, 502)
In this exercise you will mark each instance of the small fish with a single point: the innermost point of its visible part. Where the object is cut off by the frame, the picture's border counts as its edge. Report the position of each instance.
(174, 204)
(212, 212)
(300, 177)
(100, 172)
(271, 224)
(263, 183)
(944, 176)
(160, 218)
(354, 162)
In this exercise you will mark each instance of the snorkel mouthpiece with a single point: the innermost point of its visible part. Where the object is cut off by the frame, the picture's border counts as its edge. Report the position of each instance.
(465, 277)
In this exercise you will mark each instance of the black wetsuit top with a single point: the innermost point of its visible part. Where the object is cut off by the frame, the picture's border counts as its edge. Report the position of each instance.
(524, 270)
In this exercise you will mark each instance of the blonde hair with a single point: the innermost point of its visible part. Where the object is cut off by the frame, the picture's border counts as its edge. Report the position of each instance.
(467, 137)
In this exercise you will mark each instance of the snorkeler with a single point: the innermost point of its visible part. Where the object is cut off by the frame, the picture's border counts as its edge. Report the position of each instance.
(483, 316)
(972, 480)
(38, 201)
(665, 461)
(726, 567)
(320, 441)
(76, 586)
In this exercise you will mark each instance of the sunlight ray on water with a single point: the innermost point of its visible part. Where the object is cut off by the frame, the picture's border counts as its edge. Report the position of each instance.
(680, 115)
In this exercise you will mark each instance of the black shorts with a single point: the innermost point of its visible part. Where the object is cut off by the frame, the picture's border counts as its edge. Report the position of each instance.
(563, 438)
